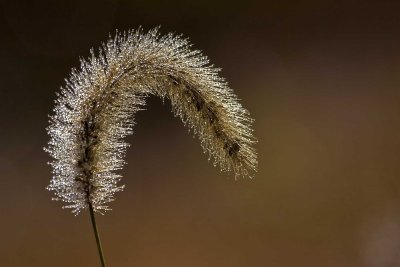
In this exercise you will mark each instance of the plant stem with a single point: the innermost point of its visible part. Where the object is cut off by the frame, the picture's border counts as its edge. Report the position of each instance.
(96, 234)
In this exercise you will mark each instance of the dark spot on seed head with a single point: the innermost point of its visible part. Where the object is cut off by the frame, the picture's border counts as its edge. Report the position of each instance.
(68, 106)
(232, 147)
(199, 104)
(173, 79)
(210, 113)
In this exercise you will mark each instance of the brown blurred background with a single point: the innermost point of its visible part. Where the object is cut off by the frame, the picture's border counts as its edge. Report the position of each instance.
(321, 79)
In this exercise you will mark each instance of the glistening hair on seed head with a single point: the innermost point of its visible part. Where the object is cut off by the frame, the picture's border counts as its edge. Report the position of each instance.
(95, 111)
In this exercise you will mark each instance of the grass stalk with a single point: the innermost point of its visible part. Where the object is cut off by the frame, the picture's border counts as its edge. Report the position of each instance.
(96, 234)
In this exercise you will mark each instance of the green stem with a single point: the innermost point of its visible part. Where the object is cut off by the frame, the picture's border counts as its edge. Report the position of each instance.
(96, 234)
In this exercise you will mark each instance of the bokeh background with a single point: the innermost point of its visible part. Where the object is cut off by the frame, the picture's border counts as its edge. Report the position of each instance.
(321, 79)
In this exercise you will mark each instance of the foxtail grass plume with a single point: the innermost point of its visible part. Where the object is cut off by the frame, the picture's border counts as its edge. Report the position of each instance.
(95, 111)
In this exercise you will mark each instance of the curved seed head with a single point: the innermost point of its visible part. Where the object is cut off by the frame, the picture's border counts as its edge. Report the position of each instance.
(95, 111)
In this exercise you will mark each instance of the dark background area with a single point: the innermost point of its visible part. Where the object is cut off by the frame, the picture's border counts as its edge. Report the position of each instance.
(321, 79)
